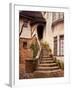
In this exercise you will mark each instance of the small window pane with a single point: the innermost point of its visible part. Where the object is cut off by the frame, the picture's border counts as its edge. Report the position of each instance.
(55, 45)
(24, 44)
(61, 45)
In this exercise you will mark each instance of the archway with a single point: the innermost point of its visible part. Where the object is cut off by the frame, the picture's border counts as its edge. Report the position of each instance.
(40, 29)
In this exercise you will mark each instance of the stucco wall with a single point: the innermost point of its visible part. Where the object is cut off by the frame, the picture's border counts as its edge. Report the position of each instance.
(26, 33)
(20, 24)
(57, 31)
(48, 34)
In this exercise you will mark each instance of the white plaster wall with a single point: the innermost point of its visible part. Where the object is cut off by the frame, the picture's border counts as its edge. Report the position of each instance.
(26, 33)
(57, 31)
(20, 24)
(48, 34)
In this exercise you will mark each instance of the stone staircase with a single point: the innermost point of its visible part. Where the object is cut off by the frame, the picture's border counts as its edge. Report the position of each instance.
(47, 67)
(46, 62)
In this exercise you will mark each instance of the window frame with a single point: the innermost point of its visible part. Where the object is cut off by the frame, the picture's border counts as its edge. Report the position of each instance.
(61, 45)
(55, 46)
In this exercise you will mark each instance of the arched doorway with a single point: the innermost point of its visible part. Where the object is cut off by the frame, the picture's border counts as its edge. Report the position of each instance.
(40, 29)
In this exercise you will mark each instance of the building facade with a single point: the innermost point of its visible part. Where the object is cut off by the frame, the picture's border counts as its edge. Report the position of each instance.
(54, 33)
(31, 25)
(40, 27)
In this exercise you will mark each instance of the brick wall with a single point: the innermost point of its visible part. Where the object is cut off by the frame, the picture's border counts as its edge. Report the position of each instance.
(26, 54)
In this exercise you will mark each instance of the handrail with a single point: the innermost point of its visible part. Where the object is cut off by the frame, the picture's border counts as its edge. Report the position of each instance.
(39, 51)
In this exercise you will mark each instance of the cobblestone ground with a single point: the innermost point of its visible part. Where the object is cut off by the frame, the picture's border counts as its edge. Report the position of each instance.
(43, 75)
(47, 75)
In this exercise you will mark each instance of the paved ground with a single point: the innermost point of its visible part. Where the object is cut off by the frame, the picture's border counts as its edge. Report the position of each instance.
(47, 75)
(36, 74)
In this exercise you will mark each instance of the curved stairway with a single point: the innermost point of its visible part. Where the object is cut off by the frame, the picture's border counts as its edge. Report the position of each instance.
(47, 67)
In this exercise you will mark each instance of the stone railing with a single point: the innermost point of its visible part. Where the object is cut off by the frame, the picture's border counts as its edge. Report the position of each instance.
(39, 51)
(36, 36)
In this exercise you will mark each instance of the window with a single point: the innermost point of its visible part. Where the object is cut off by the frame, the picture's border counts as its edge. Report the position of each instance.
(24, 44)
(61, 45)
(55, 45)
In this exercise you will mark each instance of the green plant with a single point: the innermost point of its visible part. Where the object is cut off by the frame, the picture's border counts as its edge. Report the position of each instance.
(49, 50)
(34, 47)
(60, 63)
(46, 45)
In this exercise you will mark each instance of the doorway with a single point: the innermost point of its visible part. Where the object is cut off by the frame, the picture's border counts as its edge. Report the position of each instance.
(40, 29)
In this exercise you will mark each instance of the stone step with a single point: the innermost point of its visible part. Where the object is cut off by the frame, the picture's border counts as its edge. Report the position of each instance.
(44, 51)
(47, 68)
(49, 71)
(46, 57)
(47, 61)
(49, 64)
(42, 59)
(48, 74)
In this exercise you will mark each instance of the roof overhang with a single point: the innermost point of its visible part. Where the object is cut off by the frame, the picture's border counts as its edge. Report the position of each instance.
(33, 16)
